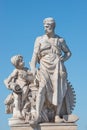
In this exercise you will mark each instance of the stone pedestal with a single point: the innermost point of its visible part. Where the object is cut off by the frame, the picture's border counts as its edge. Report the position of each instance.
(19, 125)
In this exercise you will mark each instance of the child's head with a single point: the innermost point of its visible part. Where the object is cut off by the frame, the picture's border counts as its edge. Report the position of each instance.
(17, 61)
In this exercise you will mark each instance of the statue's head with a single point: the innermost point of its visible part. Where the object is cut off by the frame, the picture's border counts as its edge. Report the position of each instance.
(49, 21)
(17, 61)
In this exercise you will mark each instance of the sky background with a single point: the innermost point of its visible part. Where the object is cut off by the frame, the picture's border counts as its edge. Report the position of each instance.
(21, 21)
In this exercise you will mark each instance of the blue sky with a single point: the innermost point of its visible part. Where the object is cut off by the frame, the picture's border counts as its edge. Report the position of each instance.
(21, 21)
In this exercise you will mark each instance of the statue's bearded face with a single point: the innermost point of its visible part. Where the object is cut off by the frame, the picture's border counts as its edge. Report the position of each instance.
(48, 27)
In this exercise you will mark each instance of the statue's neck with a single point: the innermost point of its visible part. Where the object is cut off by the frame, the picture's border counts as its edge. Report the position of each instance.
(50, 35)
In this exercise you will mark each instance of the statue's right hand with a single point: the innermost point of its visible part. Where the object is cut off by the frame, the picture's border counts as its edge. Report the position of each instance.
(33, 68)
(33, 71)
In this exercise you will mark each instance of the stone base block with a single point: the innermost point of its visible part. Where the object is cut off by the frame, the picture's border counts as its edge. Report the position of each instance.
(43, 126)
(16, 124)
(46, 126)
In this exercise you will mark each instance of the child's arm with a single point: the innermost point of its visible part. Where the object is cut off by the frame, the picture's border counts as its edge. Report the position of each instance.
(11, 78)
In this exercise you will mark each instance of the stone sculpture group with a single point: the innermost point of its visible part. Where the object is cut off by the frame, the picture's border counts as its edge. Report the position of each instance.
(42, 94)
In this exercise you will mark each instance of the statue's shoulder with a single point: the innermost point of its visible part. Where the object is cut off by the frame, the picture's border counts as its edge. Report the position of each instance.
(60, 39)
(38, 38)
(15, 71)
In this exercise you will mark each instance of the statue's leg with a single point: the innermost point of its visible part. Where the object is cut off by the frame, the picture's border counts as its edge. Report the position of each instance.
(17, 106)
(39, 103)
(25, 91)
(40, 98)
(58, 119)
(62, 91)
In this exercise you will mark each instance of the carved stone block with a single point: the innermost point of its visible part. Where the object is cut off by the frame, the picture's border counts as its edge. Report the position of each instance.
(46, 126)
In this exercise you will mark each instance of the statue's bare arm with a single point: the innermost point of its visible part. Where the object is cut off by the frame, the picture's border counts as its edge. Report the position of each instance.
(65, 49)
(35, 55)
(11, 77)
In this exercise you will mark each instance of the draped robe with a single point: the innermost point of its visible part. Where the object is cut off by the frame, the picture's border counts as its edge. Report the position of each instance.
(52, 72)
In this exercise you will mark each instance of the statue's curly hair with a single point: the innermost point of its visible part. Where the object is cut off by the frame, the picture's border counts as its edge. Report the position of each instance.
(15, 59)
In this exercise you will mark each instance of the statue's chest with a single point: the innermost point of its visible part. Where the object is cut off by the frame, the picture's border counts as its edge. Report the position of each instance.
(52, 44)
(22, 74)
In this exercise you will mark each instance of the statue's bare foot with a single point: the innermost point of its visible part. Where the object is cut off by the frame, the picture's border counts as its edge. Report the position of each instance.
(70, 118)
(58, 119)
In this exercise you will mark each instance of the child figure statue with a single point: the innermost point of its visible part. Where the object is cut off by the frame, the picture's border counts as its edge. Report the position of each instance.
(18, 81)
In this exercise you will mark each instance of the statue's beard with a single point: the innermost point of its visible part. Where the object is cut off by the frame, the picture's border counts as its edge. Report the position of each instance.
(48, 32)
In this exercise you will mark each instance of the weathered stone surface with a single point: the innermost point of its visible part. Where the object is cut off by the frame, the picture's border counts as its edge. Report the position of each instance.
(42, 94)
(46, 126)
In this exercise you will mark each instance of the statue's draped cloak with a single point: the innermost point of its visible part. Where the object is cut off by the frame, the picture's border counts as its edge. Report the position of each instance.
(52, 72)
